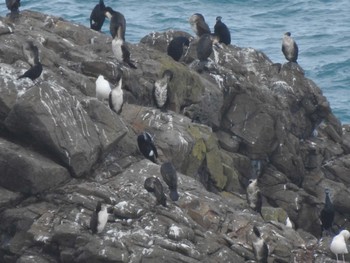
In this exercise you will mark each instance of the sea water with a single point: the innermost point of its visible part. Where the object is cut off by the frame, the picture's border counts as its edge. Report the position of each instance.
(321, 29)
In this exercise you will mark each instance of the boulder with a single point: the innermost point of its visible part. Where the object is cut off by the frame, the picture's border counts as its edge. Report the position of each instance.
(28, 172)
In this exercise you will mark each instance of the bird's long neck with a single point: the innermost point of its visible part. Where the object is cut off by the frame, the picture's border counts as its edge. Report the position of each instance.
(328, 203)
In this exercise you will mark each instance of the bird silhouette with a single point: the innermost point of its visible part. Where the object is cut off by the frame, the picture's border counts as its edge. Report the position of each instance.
(168, 172)
(153, 185)
(147, 147)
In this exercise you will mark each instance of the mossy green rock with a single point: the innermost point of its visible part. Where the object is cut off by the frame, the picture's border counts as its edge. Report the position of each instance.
(274, 214)
(215, 168)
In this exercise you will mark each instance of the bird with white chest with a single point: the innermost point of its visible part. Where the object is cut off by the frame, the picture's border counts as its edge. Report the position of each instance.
(338, 244)
(103, 88)
(116, 97)
(99, 218)
(260, 248)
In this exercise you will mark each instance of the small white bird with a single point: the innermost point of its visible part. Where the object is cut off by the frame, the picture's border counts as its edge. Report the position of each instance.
(253, 194)
(338, 244)
(289, 222)
(116, 97)
(102, 88)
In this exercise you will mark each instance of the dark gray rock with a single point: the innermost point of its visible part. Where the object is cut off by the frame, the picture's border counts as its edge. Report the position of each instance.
(28, 172)
(59, 122)
(8, 198)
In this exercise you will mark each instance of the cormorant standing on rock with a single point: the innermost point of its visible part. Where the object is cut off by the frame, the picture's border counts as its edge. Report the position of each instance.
(31, 53)
(204, 47)
(221, 30)
(161, 89)
(33, 73)
(177, 46)
(153, 185)
(254, 196)
(147, 147)
(289, 48)
(97, 17)
(121, 51)
(260, 248)
(198, 24)
(13, 5)
(169, 175)
(117, 27)
(117, 23)
(99, 218)
(338, 244)
(327, 213)
(116, 97)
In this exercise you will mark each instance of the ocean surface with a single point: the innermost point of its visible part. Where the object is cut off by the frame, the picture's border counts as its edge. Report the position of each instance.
(321, 29)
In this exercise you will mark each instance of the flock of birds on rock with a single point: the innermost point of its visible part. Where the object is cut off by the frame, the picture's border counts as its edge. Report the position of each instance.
(176, 49)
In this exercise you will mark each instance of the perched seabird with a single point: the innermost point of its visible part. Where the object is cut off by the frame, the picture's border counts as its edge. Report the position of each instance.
(116, 97)
(99, 218)
(289, 48)
(289, 223)
(221, 30)
(13, 5)
(177, 46)
(168, 172)
(117, 23)
(254, 196)
(117, 27)
(204, 47)
(33, 73)
(97, 17)
(103, 89)
(338, 244)
(31, 53)
(147, 147)
(121, 51)
(260, 248)
(160, 91)
(198, 24)
(327, 213)
(153, 185)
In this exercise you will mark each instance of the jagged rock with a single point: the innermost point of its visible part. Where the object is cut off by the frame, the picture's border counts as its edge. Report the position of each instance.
(57, 120)
(8, 198)
(340, 168)
(26, 171)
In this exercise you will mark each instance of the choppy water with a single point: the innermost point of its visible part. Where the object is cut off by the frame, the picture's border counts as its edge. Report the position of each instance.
(320, 27)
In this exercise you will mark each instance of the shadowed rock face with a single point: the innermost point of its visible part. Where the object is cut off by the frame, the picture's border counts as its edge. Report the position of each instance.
(239, 116)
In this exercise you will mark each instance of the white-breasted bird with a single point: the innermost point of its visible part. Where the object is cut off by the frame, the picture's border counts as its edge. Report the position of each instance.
(338, 244)
(260, 248)
(116, 97)
(102, 88)
(98, 218)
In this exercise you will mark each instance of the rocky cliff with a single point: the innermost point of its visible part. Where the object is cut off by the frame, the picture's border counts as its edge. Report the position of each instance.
(241, 117)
